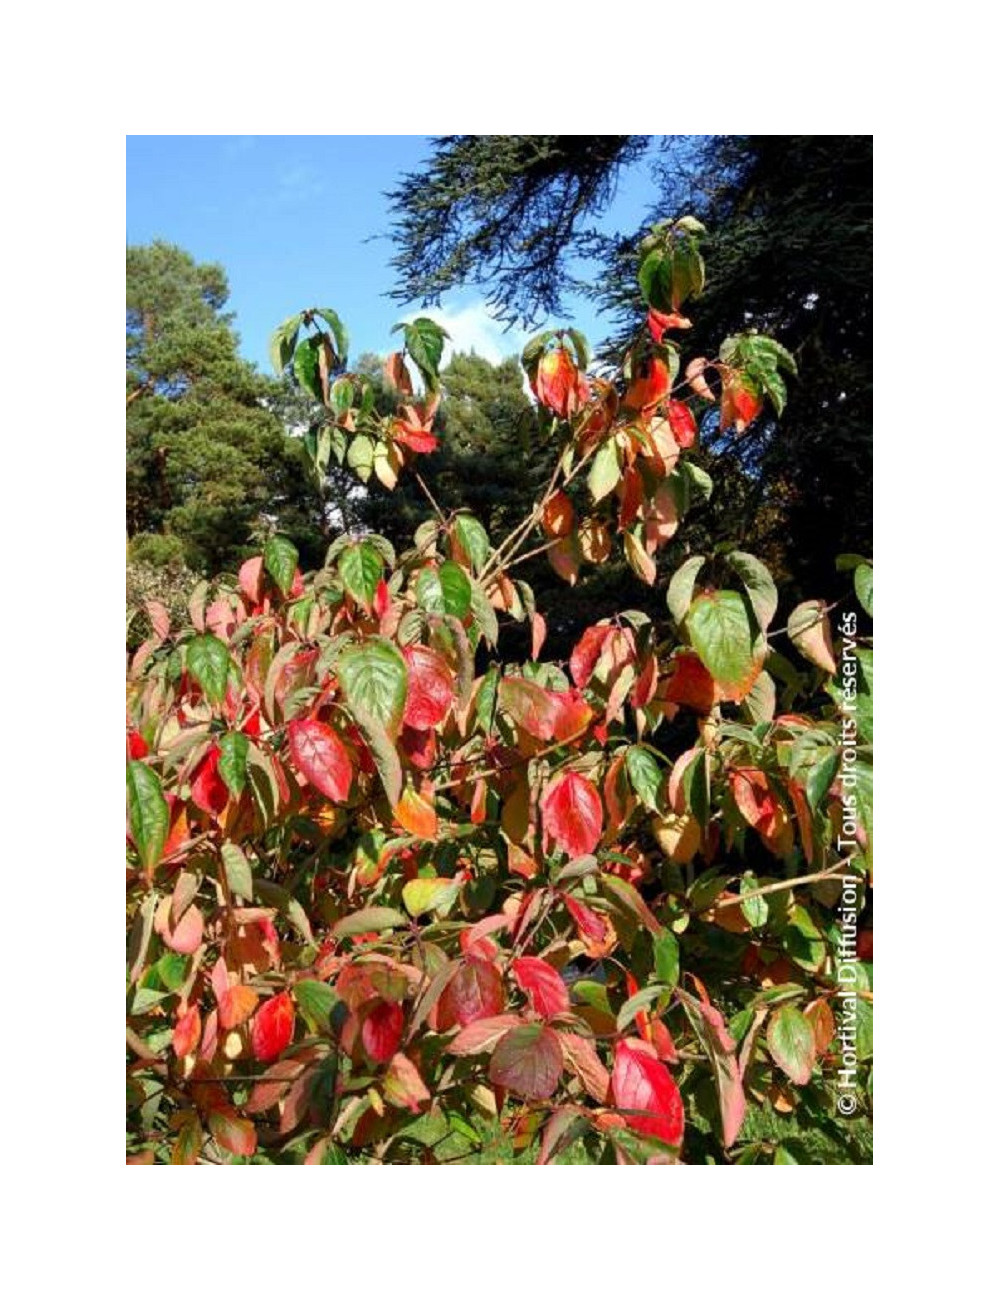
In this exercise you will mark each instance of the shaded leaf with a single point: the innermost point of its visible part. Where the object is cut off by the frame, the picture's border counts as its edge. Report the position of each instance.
(528, 1061)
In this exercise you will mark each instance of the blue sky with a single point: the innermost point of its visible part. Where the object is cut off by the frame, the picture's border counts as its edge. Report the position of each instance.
(291, 219)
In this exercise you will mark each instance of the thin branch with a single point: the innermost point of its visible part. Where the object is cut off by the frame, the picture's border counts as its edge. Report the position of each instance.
(829, 873)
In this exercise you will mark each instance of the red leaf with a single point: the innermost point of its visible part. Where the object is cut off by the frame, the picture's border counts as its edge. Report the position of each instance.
(650, 383)
(572, 814)
(220, 619)
(273, 1027)
(586, 653)
(429, 690)
(319, 754)
(662, 1040)
(250, 576)
(544, 986)
(559, 385)
(572, 714)
(659, 322)
(137, 747)
(208, 790)
(474, 992)
(641, 1082)
(690, 683)
(528, 1061)
(382, 1031)
(420, 747)
(682, 424)
(187, 1032)
(595, 931)
(742, 402)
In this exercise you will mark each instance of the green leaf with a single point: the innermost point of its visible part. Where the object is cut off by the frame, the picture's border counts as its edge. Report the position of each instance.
(644, 774)
(698, 481)
(604, 471)
(473, 539)
(239, 877)
(863, 577)
(361, 456)
(759, 584)
(762, 700)
(316, 1001)
(425, 344)
(446, 590)
(484, 614)
(148, 813)
(791, 1043)
(341, 396)
(667, 959)
(754, 909)
(369, 918)
(580, 348)
(373, 676)
(656, 279)
(280, 560)
(820, 779)
(172, 970)
(337, 330)
(697, 789)
(534, 348)
(681, 588)
(149, 816)
(383, 752)
(638, 1002)
(145, 999)
(429, 894)
(773, 384)
(719, 625)
(360, 566)
(233, 749)
(283, 342)
(802, 941)
(305, 363)
(208, 663)
(384, 547)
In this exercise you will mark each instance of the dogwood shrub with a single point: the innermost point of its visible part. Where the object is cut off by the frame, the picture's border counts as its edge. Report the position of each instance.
(388, 894)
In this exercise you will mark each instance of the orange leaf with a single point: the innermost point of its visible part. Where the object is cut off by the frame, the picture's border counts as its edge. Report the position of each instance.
(416, 815)
(236, 1005)
(187, 1032)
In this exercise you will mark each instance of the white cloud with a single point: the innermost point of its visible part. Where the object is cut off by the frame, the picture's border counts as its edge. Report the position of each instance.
(473, 328)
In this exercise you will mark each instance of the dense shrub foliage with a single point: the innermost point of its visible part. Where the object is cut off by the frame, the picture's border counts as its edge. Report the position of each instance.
(392, 899)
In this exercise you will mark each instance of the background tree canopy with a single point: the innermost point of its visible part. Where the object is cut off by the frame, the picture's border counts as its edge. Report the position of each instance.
(790, 252)
(207, 454)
